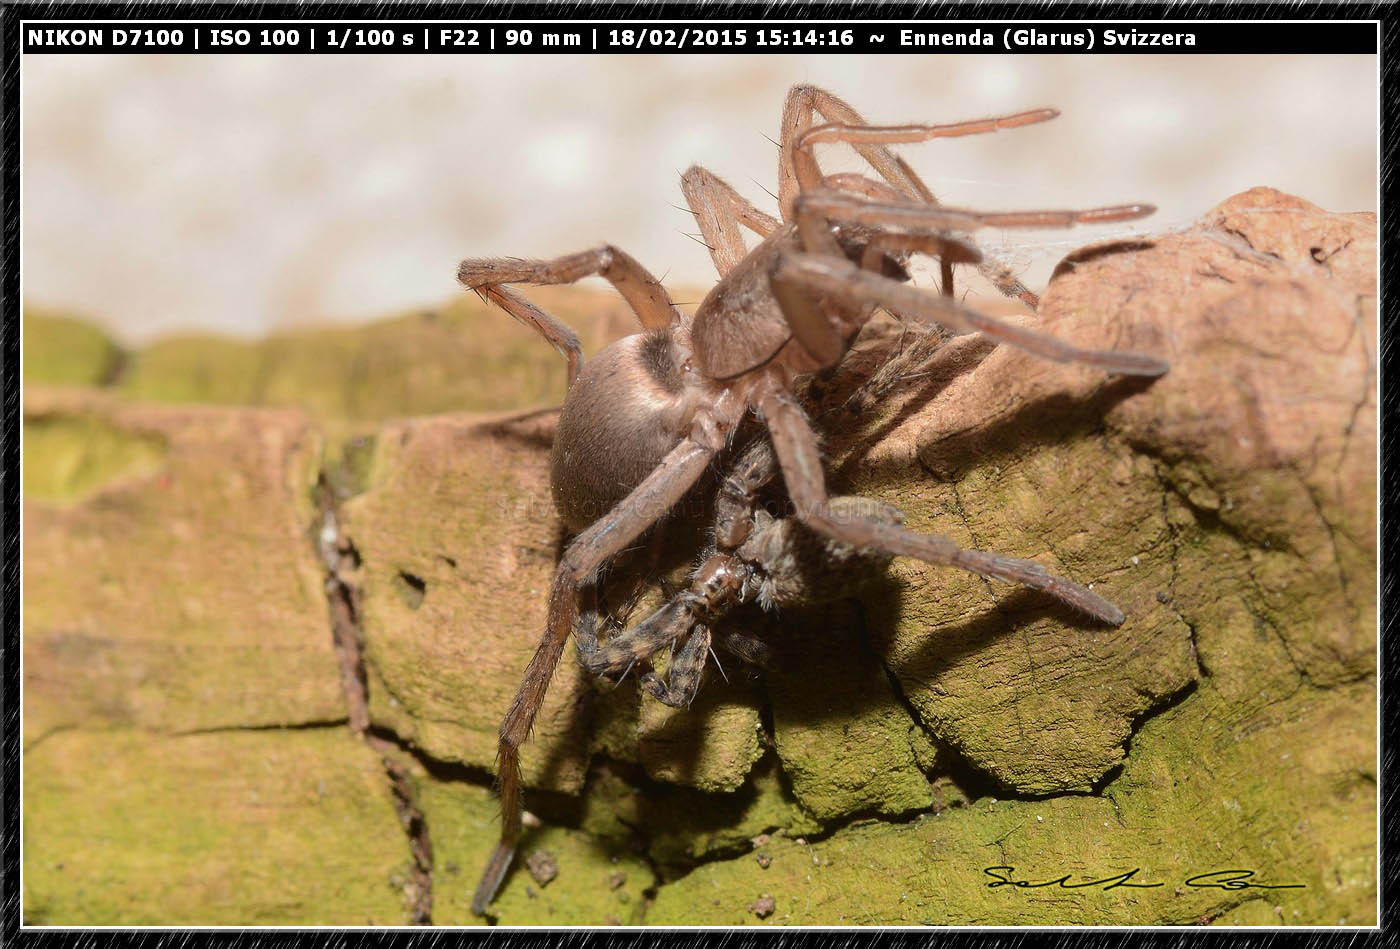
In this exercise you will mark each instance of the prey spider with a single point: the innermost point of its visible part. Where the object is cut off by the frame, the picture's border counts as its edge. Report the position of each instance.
(647, 416)
(754, 557)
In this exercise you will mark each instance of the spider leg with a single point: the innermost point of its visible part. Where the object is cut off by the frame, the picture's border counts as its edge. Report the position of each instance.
(841, 280)
(818, 208)
(677, 620)
(687, 666)
(796, 565)
(953, 250)
(719, 210)
(605, 538)
(948, 248)
(815, 212)
(860, 184)
(861, 137)
(555, 331)
(798, 169)
(796, 447)
(624, 596)
(750, 649)
(803, 101)
(750, 472)
(643, 292)
(611, 659)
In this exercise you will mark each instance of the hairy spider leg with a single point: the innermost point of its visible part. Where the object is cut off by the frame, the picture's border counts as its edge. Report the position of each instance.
(799, 280)
(683, 675)
(610, 659)
(863, 137)
(805, 101)
(809, 274)
(487, 276)
(750, 470)
(749, 648)
(796, 447)
(719, 210)
(924, 218)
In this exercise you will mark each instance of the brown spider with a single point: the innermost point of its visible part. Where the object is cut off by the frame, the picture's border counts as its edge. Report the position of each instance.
(645, 419)
(754, 557)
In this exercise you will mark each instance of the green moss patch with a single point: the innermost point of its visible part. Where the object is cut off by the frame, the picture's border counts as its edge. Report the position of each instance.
(60, 349)
(70, 457)
(462, 356)
(125, 828)
(183, 593)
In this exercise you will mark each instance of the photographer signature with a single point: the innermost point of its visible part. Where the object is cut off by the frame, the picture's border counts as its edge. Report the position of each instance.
(1215, 879)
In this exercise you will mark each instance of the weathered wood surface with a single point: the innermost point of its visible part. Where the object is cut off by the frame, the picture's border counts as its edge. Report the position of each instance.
(903, 741)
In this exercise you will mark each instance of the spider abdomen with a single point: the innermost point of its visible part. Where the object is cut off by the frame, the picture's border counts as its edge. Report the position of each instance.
(629, 406)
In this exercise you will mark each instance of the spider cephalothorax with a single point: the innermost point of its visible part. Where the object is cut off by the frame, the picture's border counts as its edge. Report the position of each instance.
(649, 416)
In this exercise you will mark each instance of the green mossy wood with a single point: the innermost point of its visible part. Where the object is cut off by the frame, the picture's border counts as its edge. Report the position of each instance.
(415, 364)
(903, 742)
(169, 580)
(251, 828)
(62, 349)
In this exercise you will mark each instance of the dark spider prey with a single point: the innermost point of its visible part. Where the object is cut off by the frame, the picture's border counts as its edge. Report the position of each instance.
(755, 557)
(646, 417)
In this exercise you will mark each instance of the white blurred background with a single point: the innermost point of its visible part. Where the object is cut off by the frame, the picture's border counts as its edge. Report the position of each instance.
(247, 193)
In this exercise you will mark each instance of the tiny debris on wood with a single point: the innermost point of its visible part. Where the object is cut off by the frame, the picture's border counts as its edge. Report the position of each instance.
(616, 880)
(763, 906)
(542, 866)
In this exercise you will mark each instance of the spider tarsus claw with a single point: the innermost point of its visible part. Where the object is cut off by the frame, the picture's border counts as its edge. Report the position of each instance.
(1092, 604)
(1142, 209)
(1031, 574)
(491, 877)
(1118, 212)
(1035, 115)
(1147, 366)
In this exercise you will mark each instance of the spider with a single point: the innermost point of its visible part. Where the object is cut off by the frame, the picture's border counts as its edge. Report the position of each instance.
(754, 557)
(646, 417)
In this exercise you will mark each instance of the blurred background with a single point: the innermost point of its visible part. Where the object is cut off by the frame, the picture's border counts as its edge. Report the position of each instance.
(247, 194)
